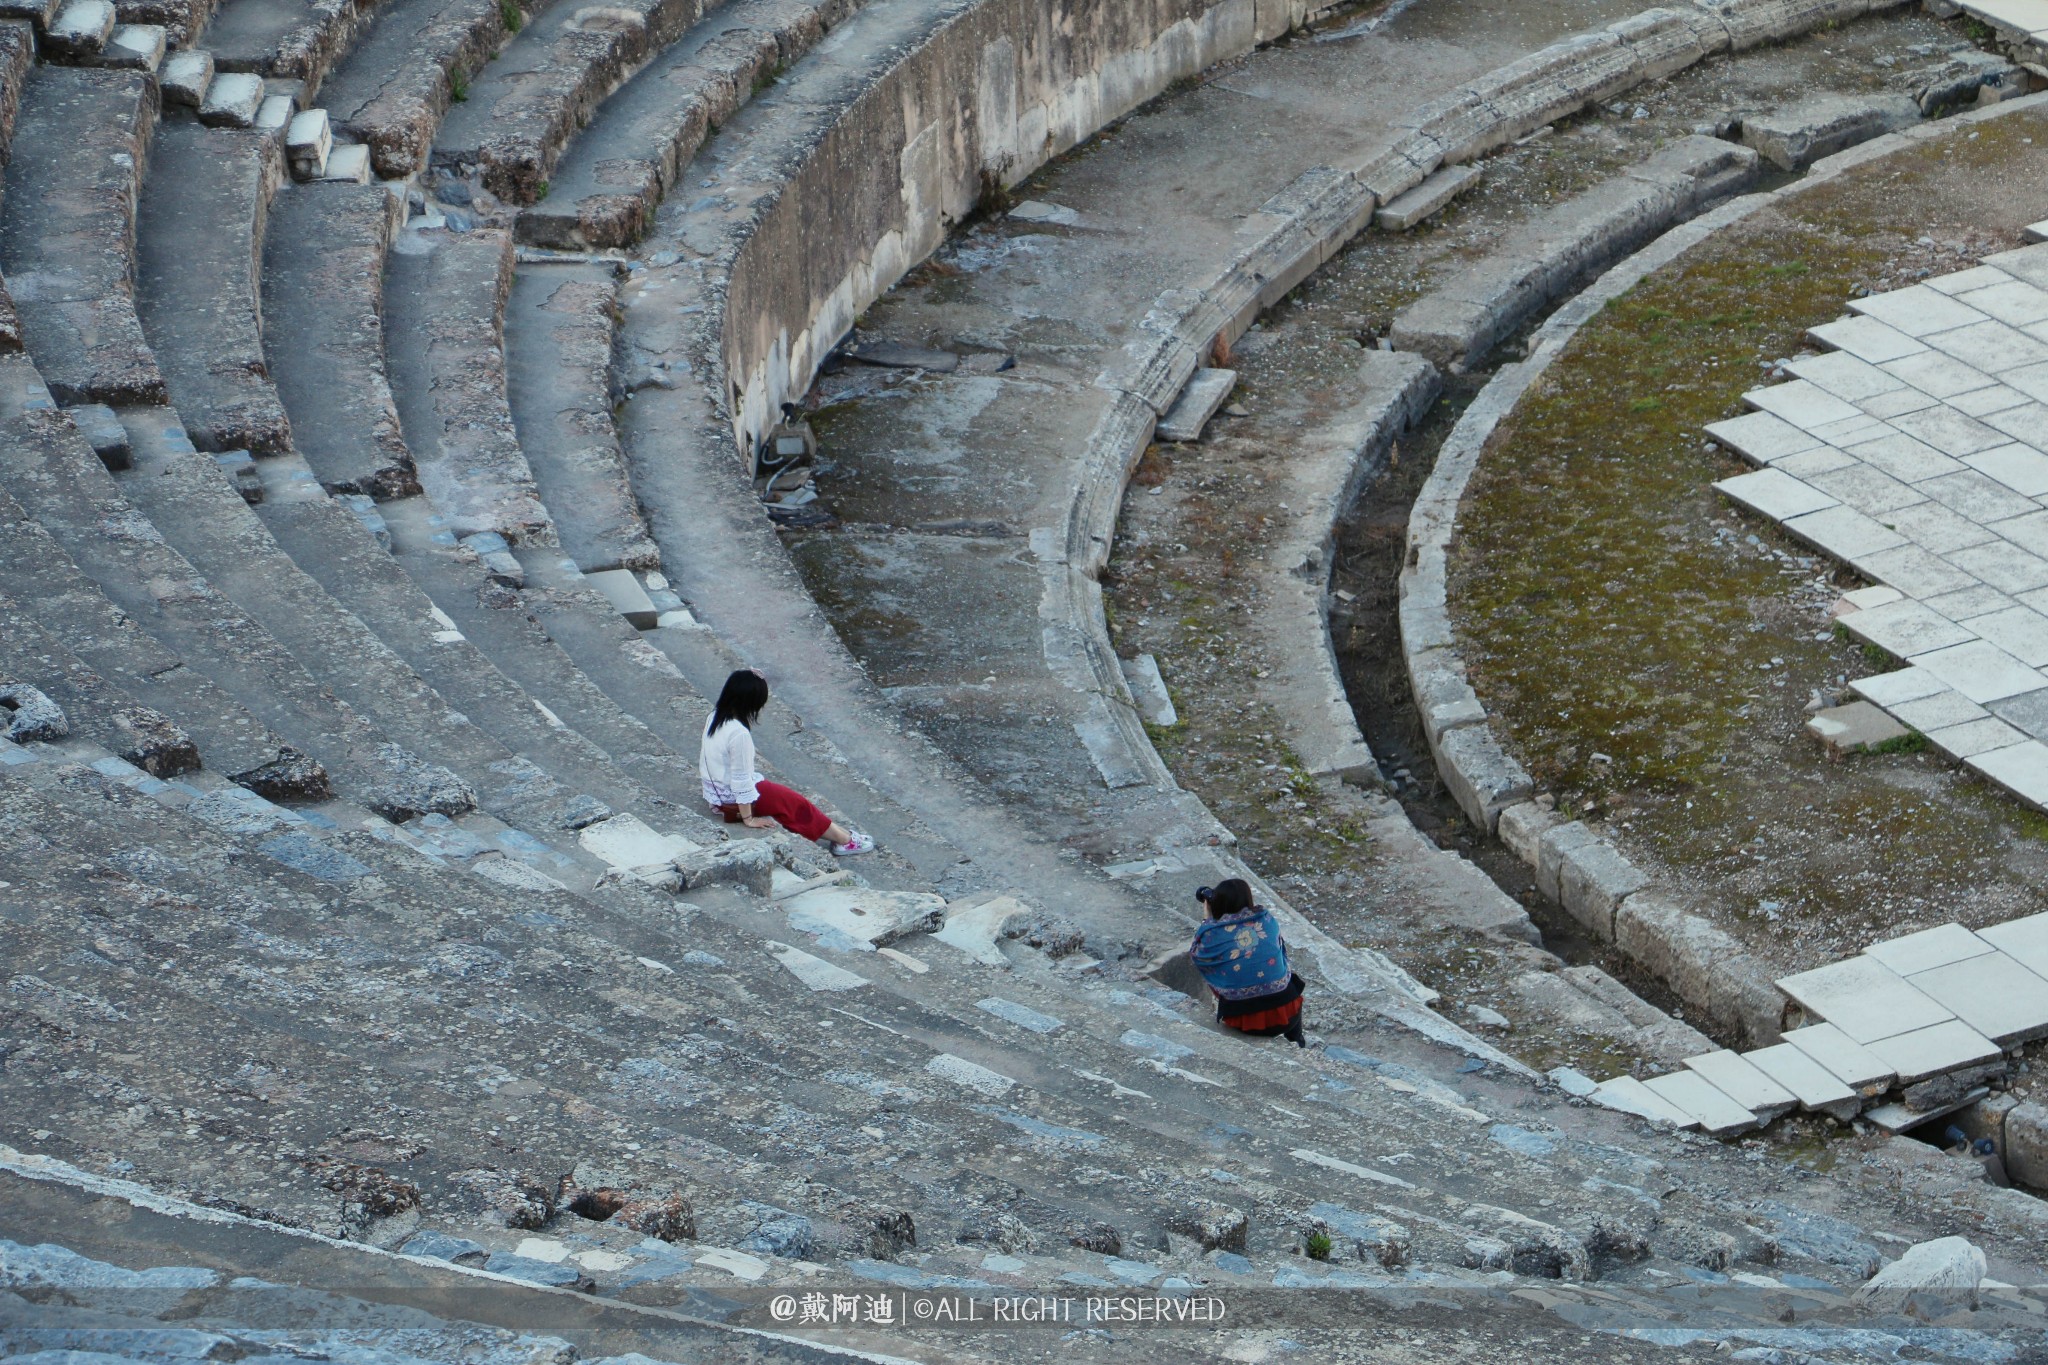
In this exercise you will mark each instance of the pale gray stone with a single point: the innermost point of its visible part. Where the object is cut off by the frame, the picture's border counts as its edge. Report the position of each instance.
(1857, 726)
(1818, 1090)
(1864, 998)
(1951, 1265)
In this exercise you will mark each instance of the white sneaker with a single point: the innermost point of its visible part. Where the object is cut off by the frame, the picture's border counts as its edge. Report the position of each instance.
(856, 843)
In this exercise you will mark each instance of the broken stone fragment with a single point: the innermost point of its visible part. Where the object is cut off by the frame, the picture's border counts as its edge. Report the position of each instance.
(1217, 1228)
(1948, 1266)
(509, 1198)
(749, 864)
(415, 787)
(291, 776)
(31, 715)
(1098, 1237)
(151, 741)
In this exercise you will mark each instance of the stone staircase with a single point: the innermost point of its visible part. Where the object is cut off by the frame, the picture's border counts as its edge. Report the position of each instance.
(367, 801)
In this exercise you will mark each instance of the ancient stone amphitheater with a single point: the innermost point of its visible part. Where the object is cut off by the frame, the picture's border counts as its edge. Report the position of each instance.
(410, 411)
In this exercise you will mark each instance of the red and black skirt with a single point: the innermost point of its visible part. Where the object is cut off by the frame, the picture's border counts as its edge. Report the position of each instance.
(1265, 1015)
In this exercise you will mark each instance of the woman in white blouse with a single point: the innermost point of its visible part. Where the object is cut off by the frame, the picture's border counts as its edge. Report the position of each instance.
(725, 761)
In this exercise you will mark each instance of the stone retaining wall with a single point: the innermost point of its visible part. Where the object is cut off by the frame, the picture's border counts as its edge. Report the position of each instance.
(1712, 973)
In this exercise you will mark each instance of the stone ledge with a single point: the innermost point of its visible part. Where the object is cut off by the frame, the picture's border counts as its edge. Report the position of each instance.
(1709, 970)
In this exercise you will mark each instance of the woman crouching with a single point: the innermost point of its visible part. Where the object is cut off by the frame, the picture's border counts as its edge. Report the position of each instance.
(1240, 953)
(725, 761)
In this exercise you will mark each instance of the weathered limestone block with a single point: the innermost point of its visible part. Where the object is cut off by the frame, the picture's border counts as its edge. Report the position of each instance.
(1482, 778)
(1712, 973)
(1952, 1267)
(749, 865)
(1213, 1225)
(1555, 841)
(30, 715)
(1593, 879)
(2026, 1144)
(415, 787)
(1796, 137)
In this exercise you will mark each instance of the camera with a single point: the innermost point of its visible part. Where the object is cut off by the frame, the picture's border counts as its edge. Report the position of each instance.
(1202, 893)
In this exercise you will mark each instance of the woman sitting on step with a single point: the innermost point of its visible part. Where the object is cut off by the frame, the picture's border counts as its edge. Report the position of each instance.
(1240, 953)
(725, 761)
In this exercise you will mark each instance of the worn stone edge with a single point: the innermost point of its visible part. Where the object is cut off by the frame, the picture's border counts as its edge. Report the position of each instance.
(1732, 987)
(1293, 234)
(52, 1171)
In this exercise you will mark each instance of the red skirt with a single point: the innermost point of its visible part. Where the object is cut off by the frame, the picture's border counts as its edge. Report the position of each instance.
(1274, 1020)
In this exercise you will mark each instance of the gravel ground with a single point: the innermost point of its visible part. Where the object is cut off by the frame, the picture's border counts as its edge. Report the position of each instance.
(1653, 653)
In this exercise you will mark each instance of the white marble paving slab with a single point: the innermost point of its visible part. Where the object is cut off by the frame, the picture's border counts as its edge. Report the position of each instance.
(1741, 1082)
(1906, 628)
(1920, 1053)
(2024, 940)
(1974, 737)
(2019, 467)
(1761, 436)
(1905, 457)
(1713, 1111)
(1991, 346)
(1916, 310)
(1867, 339)
(1981, 671)
(1802, 404)
(1818, 1090)
(1942, 376)
(1938, 712)
(2020, 631)
(1901, 684)
(2003, 565)
(2010, 301)
(1863, 998)
(1775, 494)
(1844, 532)
(1995, 995)
(1928, 949)
(1855, 1065)
(2021, 769)
(1847, 377)
(1950, 432)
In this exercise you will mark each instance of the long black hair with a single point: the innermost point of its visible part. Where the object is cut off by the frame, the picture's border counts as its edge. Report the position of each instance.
(1230, 897)
(741, 699)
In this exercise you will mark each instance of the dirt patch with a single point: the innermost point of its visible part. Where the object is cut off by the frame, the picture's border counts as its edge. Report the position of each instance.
(1651, 653)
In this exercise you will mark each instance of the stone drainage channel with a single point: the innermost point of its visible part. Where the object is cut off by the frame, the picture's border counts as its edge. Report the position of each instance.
(1364, 629)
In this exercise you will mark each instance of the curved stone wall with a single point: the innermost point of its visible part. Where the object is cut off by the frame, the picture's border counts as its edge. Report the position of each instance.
(1583, 870)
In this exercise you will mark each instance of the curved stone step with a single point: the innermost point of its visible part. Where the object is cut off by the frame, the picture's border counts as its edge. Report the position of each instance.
(525, 105)
(205, 205)
(150, 677)
(294, 39)
(67, 230)
(701, 1093)
(181, 20)
(58, 480)
(558, 362)
(399, 78)
(323, 290)
(608, 181)
(17, 55)
(444, 308)
(633, 769)
(187, 498)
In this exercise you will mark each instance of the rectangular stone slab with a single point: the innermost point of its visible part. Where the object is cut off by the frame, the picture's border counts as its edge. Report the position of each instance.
(1864, 999)
(1206, 391)
(2023, 939)
(1928, 949)
(1775, 494)
(1762, 437)
(1713, 1111)
(1993, 994)
(1855, 1065)
(1735, 1077)
(1949, 1046)
(1631, 1096)
(1897, 1118)
(1818, 1090)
